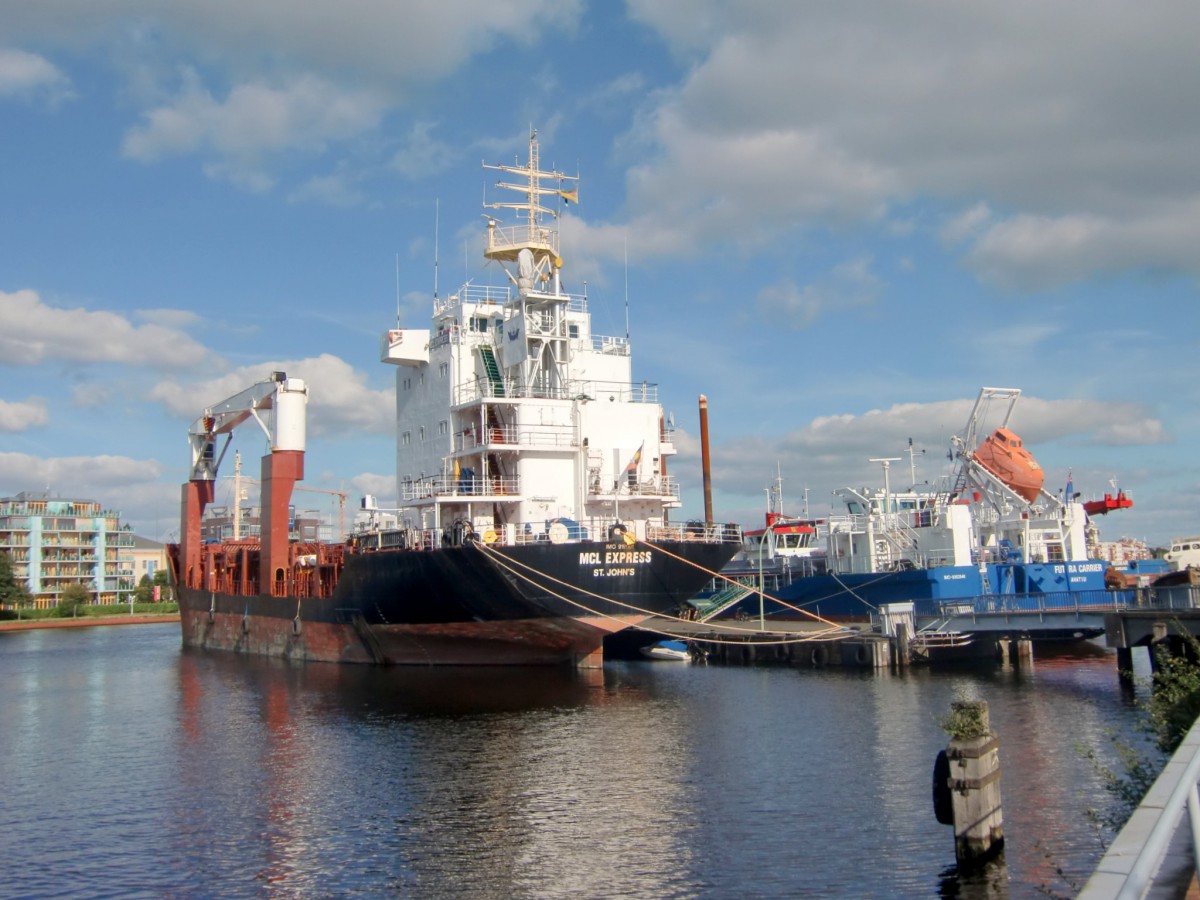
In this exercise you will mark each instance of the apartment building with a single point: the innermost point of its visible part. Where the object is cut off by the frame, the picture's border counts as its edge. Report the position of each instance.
(56, 542)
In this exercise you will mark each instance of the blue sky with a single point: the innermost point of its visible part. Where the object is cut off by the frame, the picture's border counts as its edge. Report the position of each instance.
(839, 221)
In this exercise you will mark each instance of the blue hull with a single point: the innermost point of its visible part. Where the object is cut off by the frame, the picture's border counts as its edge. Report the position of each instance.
(859, 596)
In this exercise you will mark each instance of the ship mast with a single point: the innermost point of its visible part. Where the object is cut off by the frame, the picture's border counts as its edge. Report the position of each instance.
(506, 244)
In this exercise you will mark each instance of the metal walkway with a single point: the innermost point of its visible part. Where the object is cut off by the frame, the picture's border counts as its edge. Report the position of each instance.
(1156, 853)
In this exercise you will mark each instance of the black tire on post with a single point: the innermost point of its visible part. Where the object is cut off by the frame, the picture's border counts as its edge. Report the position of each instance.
(943, 805)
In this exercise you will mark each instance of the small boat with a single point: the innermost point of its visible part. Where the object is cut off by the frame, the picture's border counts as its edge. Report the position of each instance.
(669, 651)
(1184, 553)
(1004, 455)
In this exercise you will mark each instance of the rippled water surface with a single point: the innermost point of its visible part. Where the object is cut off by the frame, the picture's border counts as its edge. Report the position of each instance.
(129, 767)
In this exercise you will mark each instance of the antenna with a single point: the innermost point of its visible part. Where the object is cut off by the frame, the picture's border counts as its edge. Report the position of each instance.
(437, 209)
(397, 291)
(626, 243)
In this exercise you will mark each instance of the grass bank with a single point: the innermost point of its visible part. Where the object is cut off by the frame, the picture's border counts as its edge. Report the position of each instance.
(90, 615)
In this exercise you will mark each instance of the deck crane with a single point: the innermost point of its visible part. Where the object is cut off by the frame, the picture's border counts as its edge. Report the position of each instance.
(278, 406)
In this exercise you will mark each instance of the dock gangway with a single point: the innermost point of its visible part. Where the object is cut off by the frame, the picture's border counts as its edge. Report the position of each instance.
(714, 605)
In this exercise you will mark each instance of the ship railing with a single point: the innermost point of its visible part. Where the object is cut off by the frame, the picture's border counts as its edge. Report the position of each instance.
(543, 436)
(610, 391)
(461, 486)
(514, 237)
(711, 532)
(1176, 596)
(583, 391)
(484, 389)
(1097, 600)
(482, 294)
(901, 538)
(614, 346)
(664, 486)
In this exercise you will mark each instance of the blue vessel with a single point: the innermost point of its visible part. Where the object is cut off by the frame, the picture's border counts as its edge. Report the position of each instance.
(988, 529)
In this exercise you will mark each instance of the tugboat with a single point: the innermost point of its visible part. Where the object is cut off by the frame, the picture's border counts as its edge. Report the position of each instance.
(533, 493)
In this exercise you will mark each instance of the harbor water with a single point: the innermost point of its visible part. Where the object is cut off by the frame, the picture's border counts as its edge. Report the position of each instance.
(133, 768)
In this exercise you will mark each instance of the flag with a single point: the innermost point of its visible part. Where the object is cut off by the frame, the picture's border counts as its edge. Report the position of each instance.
(631, 470)
(1070, 492)
(571, 196)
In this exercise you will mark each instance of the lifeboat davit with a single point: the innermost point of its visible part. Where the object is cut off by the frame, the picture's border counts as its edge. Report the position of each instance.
(1003, 455)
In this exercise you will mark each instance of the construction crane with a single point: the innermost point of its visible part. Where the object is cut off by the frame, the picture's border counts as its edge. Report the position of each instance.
(341, 495)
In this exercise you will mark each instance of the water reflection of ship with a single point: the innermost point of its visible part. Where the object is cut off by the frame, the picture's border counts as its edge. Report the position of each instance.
(482, 766)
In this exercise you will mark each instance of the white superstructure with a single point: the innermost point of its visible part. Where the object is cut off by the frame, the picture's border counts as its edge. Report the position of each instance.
(973, 517)
(513, 417)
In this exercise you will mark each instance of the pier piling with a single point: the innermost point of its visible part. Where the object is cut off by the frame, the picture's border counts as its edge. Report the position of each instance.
(972, 781)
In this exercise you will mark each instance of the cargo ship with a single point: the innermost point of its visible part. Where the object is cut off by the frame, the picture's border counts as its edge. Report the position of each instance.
(990, 529)
(533, 495)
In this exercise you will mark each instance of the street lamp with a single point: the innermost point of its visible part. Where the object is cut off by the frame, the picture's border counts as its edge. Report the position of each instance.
(762, 624)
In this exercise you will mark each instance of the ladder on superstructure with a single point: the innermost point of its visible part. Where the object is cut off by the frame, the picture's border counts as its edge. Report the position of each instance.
(492, 367)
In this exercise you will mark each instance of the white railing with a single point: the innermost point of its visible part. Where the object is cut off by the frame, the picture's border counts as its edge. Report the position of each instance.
(1137, 860)
(516, 236)
(483, 389)
(543, 436)
(449, 486)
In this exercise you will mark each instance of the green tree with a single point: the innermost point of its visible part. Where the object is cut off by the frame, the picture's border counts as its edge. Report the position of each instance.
(12, 592)
(1165, 719)
(72, 599)
(144, 592)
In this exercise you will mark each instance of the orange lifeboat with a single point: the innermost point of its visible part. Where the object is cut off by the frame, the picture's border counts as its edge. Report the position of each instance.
(1003, 455)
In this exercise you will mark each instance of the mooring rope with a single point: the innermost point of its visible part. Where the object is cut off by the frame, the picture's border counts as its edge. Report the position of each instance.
(811, 615)
(512, 565)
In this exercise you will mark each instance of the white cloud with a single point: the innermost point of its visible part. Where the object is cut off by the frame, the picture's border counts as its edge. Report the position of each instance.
(401, 42)
(32, 332)
(382, 487)
(423, 155)
(339, 189)
(124, 484)
(1036, 250)
(339, 400)
(825, 115)
(74, 476)
(29, 76)
(851, 284)
(253, 121)
(23, 414)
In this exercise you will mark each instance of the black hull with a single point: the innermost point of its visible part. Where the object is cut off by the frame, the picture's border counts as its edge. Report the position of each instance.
(537, 603)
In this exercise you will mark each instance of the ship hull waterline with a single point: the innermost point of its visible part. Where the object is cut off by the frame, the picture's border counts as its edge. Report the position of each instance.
(537, 605)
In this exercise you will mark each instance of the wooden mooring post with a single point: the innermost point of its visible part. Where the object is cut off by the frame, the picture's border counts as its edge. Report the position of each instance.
(966, 783)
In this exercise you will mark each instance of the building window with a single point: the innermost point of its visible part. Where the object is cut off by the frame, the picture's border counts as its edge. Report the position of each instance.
(406, 438)
(444, 369)
(443, 427)
(573, 330)
(421, 433)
